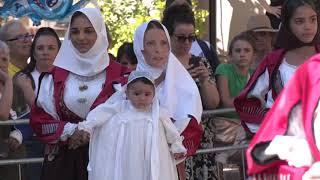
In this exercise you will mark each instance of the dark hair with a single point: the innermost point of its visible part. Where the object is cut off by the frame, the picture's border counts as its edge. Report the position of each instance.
(285, 38)
(154, 25)
(177, 14)
(127, 49)
(244, 36)
(44, 31)
(143, 80)
(76, 14)
(169, 2)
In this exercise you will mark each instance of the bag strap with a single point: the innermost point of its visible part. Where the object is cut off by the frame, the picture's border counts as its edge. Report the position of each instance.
(39, 85)
(209, 54)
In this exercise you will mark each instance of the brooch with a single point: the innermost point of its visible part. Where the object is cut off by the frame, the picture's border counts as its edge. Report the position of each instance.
(82, 100)
(83, 87)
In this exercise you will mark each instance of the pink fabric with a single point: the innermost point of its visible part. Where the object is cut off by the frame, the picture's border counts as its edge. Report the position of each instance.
(292, 172)
(283, 172)
(304, 89)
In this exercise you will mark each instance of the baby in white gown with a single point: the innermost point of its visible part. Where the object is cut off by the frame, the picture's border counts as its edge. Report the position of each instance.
(131, 137)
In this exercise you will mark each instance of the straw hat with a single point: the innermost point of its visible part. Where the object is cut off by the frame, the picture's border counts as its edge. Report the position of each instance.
(260, 23)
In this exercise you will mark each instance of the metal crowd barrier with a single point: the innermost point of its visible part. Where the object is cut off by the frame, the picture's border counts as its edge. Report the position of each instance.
(242, 148)
(208, 113)
(14, 122)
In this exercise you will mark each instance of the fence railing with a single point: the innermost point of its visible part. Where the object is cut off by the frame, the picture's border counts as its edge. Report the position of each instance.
(20, 161)
(208, 113)
(14, 122)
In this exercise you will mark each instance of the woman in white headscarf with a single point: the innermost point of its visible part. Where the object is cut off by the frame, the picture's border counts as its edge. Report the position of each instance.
(82, 79)
(176, 90)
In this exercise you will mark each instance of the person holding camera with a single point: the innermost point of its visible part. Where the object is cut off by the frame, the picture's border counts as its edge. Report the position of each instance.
(180, 22)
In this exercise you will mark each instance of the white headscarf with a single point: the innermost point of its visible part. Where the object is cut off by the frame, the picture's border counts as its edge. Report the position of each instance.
(179, 93)
(138, 46)
(96, 59)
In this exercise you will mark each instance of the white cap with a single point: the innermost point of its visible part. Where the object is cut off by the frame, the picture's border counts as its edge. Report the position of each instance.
(138, 74)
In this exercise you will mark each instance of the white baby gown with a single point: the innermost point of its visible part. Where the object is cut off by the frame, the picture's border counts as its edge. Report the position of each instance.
(127, 144)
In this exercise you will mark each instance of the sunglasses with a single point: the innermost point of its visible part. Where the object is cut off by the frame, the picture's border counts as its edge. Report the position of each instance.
(183, 38)
(22, 38)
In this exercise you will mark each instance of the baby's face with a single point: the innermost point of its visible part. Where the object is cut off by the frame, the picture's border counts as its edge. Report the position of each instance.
(140, 95)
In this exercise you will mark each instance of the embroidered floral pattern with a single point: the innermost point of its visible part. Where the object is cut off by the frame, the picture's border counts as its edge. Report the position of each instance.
(203, 166)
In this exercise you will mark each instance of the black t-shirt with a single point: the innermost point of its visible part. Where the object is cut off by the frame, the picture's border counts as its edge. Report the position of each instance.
(276, 2)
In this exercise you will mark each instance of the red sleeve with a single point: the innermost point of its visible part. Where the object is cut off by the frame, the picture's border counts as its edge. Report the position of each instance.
(45, 126)
(192, 136)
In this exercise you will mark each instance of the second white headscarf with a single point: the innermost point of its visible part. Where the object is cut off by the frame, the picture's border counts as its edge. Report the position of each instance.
(179, 93)
(96, 59)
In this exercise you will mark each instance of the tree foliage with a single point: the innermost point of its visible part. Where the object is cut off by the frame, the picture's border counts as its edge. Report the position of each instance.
(124, 16)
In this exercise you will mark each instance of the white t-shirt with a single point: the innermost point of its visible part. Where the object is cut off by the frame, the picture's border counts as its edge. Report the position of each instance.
(196, 49)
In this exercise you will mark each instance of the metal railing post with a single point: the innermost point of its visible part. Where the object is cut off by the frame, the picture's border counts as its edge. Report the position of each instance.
(243, 164)
(19, 167)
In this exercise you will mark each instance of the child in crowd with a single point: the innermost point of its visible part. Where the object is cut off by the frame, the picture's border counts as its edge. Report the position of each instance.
(131, 137)
(126, 56)
(231, 79)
